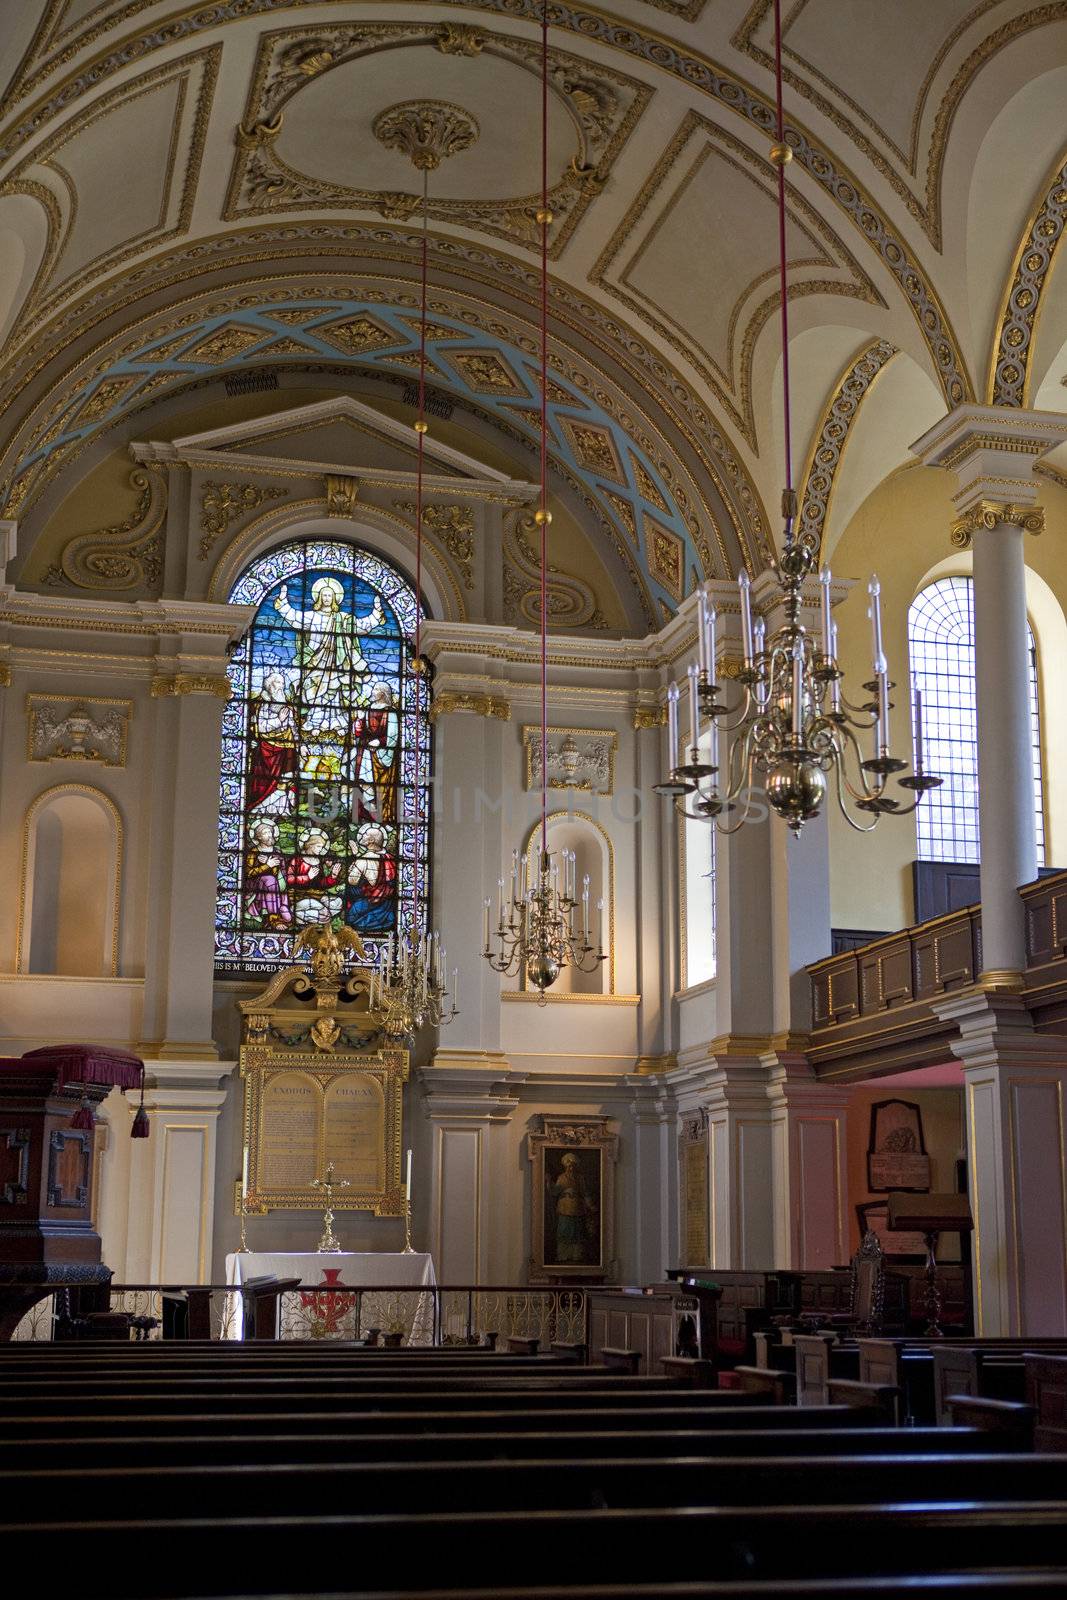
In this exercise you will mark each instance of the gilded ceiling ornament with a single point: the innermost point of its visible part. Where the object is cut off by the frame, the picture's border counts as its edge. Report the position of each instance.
(453, 525)
(222, 503)
(485, 370)
(571, 602)
(989, 513)
(455, 39)
(818, 482)
(1009, 381)
(250, 135)
(666, 558)
(426, 131)
(128, 555)
(342, 493)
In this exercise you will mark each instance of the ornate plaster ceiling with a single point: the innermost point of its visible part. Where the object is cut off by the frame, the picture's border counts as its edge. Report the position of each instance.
(187, 190)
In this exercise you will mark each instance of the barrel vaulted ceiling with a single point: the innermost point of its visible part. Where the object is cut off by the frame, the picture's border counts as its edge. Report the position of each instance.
(189, 191)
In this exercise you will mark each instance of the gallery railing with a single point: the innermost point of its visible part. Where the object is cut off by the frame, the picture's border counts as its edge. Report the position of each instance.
(440, 1314)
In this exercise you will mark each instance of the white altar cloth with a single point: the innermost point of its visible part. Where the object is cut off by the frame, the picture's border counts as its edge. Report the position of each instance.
(323, 1308)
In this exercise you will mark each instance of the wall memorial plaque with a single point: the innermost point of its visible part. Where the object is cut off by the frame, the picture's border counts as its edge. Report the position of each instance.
(896, 1151)
(314, 1093)
(693, 1176)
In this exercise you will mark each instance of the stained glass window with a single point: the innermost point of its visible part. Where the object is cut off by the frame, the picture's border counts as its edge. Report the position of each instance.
(941, 647)
(322, 775)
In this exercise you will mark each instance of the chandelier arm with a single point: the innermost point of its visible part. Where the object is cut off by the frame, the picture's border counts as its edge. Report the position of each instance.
(867, 792)
(859, 827)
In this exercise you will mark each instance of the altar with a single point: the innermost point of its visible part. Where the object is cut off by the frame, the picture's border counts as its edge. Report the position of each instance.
(342, 1294)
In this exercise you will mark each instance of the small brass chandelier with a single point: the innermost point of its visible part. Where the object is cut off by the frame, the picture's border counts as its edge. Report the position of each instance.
(792, 727)
(409, 985)
(537, 931)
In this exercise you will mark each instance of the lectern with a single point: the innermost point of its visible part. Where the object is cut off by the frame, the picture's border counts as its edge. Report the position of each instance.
(46, 1165)
(930, 1215)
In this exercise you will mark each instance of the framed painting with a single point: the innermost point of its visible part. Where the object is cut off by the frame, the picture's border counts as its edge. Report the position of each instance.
(572, 1224)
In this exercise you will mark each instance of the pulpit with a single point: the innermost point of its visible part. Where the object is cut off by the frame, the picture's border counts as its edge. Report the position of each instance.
(47, 1238)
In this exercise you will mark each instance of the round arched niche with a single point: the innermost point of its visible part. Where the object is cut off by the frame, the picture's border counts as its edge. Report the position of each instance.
(594, 855)
(70, 885)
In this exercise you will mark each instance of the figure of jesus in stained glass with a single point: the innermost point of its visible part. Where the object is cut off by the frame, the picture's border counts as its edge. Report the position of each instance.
(320, 785)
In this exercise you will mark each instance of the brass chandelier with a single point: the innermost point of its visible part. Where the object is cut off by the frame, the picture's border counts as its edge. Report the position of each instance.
(537, 931)
(409, 985)
(792, 728)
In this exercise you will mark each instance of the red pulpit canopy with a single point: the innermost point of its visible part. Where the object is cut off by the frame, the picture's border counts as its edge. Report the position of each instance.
(89, 1063)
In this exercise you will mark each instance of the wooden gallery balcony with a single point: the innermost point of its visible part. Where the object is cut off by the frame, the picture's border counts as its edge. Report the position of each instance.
(874, 1007)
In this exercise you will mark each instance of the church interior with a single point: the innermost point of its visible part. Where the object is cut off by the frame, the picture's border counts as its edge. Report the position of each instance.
(533, 807)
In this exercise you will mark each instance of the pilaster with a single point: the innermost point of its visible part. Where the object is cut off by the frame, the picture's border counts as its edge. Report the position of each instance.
(1014, 1086)
(164, 1186)
(467, 1100)
(809, 1128)
(651, 1185)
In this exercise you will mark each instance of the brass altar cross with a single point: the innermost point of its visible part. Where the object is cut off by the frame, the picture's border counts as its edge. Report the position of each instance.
(329, 1244)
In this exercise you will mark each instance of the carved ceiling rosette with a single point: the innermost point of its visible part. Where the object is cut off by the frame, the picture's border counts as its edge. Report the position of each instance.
(426, 131)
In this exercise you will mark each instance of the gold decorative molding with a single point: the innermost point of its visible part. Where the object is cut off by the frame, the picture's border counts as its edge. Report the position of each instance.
(189, 683)
(5, 675)
(222, 503)
(571, 602)
(426, 131)
(828, 445)
(456, 39)
(341, 495)
(650, 717)
(481, 705)
(603, 107)
(453, 525)
(654, 1066)
(124, 556)
(988, 513)
(1009, 373)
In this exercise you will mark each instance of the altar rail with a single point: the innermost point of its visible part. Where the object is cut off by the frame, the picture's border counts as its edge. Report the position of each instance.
(441, 1314)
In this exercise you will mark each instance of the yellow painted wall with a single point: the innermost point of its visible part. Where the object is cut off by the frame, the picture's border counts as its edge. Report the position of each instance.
(901, 532)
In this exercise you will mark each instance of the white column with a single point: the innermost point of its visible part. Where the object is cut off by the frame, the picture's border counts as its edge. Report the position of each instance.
(169, 1178)
(1015, 1082)
(740, 1164)
(992, 451)
(652, 1188)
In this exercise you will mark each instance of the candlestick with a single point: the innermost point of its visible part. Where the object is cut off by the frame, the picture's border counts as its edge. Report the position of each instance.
(835, 683)
(874, 589)
(883, 704)
(702, 628)
(485, 942)
(455, 989)
(798, 689)
(693, 672)
(744, 586)
(600, 926)
(672, 728)
(244, 1174)
(827, 625)
(407, 1178)
(918, 725)
(713, 617)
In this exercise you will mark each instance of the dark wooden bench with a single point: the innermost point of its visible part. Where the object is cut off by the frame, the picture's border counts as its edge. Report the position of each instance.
(290, 1554)
(221, 1447)
(551, 1483)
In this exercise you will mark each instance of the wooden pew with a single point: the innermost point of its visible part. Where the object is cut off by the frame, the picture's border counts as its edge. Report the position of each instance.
(551, 1483)
(124, 1558)
(1046, 1392)
(221, 1447)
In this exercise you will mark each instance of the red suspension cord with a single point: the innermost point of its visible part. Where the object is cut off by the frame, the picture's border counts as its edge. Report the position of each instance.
(783, 283)
(545, 220)
(421, 429)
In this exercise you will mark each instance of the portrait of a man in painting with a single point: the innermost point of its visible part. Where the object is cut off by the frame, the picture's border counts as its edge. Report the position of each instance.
(572, 1207)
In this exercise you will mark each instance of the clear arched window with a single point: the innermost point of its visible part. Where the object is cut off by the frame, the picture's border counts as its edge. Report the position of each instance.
(941, 648)
(322, 774)
(697, 895)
